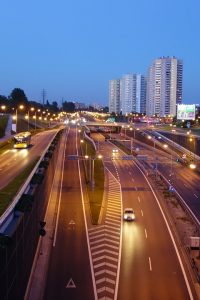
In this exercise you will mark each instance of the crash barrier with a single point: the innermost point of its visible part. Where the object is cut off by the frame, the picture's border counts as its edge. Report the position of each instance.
(85, 135)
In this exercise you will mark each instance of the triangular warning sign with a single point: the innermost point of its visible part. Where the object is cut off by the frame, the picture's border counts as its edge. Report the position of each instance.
(70, 284)
(71, 222)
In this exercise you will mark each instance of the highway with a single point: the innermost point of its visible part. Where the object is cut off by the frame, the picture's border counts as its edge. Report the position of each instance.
(13, 161)
(69, 273)
(149, 264)
(150, 268)
(184, 179)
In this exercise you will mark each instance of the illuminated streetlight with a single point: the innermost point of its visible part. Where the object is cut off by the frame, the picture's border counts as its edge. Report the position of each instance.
(15, 117)
(192, 166)
(3, 107)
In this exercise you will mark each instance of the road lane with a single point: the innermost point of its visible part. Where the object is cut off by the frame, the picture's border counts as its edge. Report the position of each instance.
(150, 268)
(69, 275)
(13, 161)
(149, 263)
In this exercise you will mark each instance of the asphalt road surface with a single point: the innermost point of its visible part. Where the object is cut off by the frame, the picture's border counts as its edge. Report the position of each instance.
(13, 161)
(69, 273)
(150, 268)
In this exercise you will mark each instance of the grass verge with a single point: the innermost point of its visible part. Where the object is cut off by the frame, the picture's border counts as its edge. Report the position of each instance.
(8, 192)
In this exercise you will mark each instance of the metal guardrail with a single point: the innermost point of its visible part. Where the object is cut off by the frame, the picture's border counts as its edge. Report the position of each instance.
(90, 140)
(181, 201)
(178, 147)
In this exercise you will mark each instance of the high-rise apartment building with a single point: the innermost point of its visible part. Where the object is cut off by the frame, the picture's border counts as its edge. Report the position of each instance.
(114, 96)
(164, 86)
(133, 93)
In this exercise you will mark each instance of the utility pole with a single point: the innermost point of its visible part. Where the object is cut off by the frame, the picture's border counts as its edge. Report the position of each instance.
(43, 96)
(62, 103)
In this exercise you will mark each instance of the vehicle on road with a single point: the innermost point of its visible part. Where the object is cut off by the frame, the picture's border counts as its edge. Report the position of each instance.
(129, 214)
(22, 140)
(114, 152)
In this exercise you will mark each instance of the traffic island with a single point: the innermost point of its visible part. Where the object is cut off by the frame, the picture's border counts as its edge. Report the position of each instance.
(94, 177)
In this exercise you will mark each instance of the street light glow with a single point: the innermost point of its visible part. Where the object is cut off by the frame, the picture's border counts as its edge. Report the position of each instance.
(192, 166)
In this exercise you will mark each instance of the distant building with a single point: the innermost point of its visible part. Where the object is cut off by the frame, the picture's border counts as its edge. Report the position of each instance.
(164, 86)
(133, 93)
(79, 105)
(114, 96)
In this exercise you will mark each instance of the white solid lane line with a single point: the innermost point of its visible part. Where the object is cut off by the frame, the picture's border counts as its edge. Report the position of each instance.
(138, 198)
(196, 196)
(150, 266)
(60, 192)
(145, 233)
(142, 213)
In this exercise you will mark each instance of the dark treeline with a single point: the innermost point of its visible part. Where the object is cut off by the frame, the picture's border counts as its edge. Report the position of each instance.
(18, 98)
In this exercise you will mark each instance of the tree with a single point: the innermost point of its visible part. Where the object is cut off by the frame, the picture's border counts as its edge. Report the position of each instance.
(105, 109)
(3, 100)
(68, 106)
(55, 106)
(18, 97)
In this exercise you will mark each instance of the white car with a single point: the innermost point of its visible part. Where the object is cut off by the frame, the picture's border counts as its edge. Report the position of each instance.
(115, 151)
(129, 214)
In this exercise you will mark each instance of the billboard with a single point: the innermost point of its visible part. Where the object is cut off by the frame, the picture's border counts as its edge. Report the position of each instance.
(186, 112)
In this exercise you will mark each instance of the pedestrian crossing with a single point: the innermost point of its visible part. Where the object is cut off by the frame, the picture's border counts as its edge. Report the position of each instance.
(105, 243)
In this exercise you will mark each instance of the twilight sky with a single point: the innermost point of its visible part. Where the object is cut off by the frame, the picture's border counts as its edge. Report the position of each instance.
(71, 48)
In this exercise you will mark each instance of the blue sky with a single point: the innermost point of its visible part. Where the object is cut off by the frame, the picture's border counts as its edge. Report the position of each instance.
(71, 48)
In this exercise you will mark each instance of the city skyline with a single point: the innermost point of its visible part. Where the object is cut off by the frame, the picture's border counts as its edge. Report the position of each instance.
(72, 50)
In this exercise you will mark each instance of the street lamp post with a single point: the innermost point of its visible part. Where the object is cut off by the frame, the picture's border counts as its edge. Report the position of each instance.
(3, 107)
(192, 139)
(35, 120)
(92, 169)
(28, 120)
(16, 116)
(131, 145)
(92, 179)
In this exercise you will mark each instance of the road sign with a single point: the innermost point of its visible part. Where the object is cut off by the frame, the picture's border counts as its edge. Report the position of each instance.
(42, 232)
(127, 157)
(142, 157)
(72, 157)
(70, 284)
(72, 222)
(42, 224)
(171, 188)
